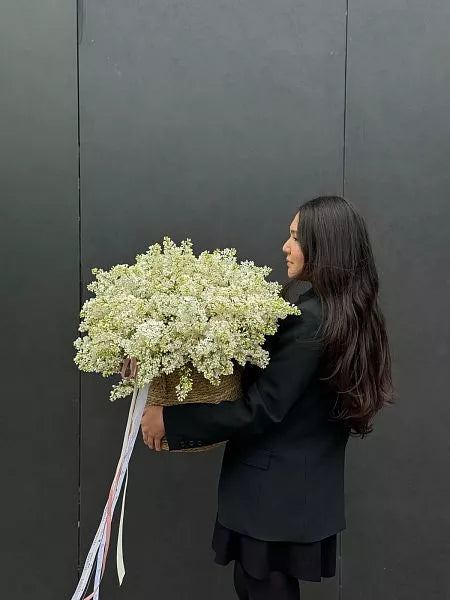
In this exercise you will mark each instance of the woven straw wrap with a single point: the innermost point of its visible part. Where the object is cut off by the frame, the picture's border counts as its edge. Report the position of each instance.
(162, 391)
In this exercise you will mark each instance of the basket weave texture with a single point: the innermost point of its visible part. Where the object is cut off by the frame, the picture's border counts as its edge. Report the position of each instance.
(162, 392)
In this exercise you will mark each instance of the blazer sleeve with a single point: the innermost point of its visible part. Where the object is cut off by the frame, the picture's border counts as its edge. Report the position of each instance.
(294, 360)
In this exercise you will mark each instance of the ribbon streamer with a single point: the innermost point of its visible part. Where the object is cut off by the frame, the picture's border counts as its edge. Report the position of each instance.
(119, 553)
(100, 544)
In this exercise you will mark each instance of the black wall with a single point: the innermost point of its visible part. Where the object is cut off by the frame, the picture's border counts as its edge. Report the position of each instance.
(214, 121)
(39, 299)
(397, 168)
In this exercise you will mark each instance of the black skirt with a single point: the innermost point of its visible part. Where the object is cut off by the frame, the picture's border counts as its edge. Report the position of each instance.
(309, 561)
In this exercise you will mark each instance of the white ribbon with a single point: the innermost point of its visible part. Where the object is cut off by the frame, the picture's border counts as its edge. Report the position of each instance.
(119, 553)
(101, 538)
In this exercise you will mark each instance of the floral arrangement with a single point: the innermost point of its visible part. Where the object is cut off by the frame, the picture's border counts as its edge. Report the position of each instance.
(173, 310)
(170, 311)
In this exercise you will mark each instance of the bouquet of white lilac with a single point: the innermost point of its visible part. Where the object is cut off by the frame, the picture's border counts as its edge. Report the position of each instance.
(174, 311)
(171, 312)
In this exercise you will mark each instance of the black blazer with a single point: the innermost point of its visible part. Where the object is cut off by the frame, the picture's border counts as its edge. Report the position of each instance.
(282, 475)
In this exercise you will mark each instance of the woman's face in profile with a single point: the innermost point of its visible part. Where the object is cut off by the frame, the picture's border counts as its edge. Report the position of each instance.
(294, 255)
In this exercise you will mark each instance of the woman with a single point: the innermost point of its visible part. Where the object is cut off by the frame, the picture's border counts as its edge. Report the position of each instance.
(281, 486)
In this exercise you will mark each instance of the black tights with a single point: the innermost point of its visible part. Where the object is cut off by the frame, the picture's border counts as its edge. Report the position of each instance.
(278, 586)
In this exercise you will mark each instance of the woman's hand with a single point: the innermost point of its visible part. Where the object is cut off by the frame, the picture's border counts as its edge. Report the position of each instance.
(152, 425)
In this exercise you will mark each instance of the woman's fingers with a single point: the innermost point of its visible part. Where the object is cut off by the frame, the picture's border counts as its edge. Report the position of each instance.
(154, 443)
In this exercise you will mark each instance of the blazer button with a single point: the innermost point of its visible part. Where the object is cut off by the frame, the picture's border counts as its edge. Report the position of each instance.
(182, 444)
(191, 442)
(199, 443)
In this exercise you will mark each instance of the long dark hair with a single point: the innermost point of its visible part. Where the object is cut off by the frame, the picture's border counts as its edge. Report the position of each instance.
(339, 264)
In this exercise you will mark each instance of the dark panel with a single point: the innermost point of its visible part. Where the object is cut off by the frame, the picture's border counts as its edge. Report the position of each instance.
(397, 544)
(211, 120)
(39, 299)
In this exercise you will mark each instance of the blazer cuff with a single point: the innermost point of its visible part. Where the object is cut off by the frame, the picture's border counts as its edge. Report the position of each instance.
(174, 425)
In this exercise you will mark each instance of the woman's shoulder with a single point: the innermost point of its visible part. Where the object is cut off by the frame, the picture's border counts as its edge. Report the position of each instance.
(292, 330)
(297, 327)
(310, 314)
(309, 303)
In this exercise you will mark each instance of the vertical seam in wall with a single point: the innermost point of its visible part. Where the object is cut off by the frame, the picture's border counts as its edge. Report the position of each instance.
(80, 292)
(340, 540)
(345, 101)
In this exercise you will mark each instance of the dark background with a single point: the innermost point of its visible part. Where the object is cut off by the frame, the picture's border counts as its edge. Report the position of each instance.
(215, 120)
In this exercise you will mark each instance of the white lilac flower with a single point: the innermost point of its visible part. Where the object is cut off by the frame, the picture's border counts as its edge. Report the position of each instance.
(174, 310)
